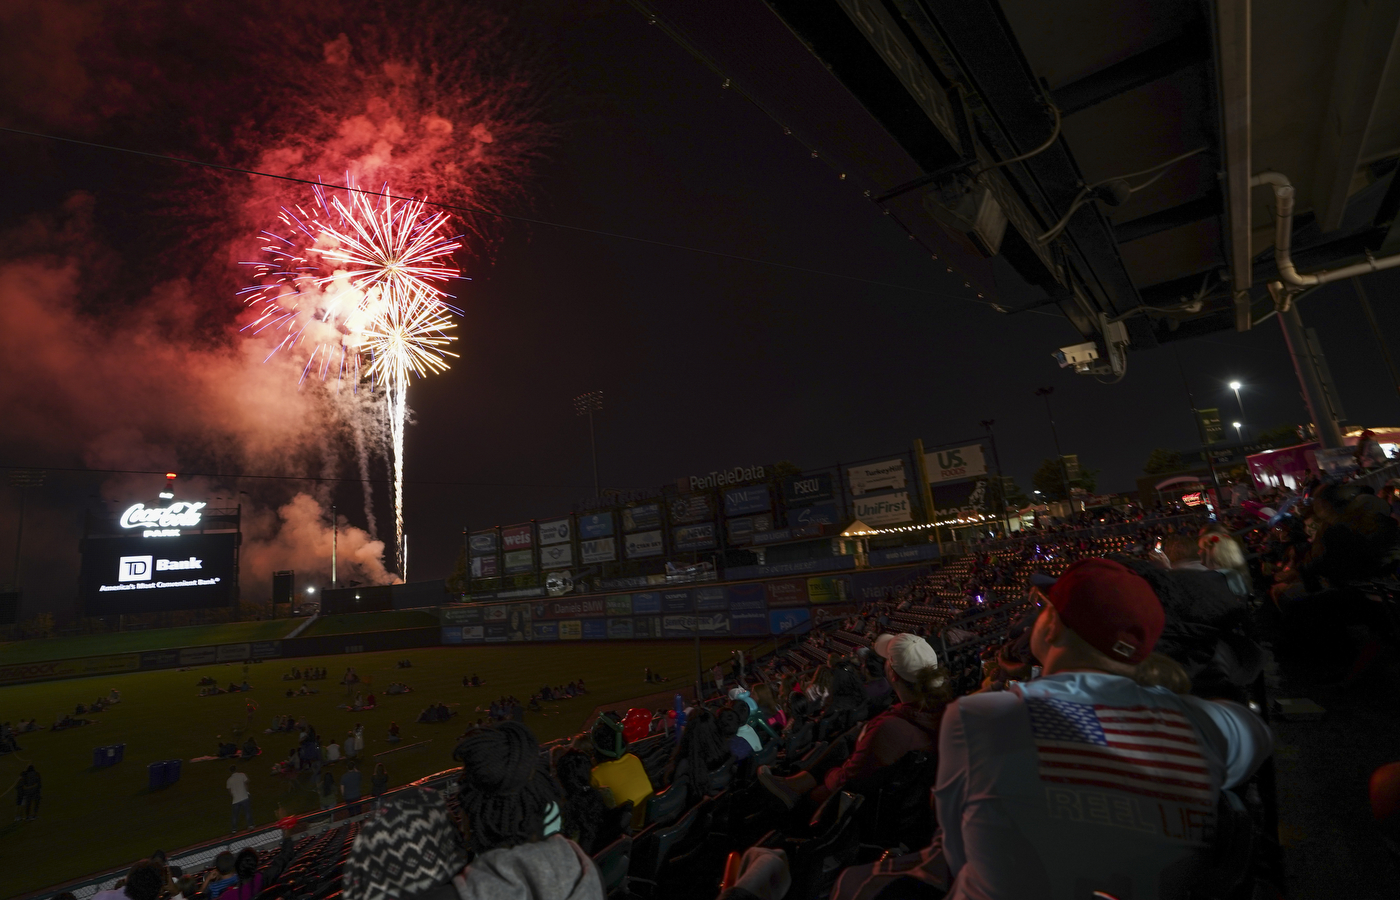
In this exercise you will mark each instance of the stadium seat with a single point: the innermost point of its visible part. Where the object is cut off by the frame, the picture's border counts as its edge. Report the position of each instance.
(612, 862)
(654, 845)
(664, 807)
(901, 811)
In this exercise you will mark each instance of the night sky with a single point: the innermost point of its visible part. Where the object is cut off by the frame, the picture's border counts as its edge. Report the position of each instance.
(704, 362)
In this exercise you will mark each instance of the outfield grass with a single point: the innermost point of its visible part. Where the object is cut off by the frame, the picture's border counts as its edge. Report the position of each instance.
(95, 819)
(353, 623)
(133, 641)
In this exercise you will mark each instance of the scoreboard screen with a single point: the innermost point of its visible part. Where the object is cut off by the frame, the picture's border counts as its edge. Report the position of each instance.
(158, 574)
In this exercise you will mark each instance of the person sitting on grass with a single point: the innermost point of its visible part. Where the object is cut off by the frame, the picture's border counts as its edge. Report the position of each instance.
(227, 749)
(333, 752)
(250, 748)
(206, 681)
(394, 733)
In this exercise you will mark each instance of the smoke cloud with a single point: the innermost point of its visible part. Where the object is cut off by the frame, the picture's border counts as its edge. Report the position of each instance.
(128, 349)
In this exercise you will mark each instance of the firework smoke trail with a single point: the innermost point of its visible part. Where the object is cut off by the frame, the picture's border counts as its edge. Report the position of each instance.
(359, 281)
(409, 339)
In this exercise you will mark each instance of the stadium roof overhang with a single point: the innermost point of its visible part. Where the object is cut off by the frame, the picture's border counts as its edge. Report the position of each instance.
(925, 105)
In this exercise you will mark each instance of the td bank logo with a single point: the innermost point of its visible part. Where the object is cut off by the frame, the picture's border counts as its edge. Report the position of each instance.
(134, 568)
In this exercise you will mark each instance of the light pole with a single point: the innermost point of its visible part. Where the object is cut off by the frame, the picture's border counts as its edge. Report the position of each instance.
(1238, 425)
(586, 405)
(1001, 482)
(1045, 393)
(22, 479)
(1235, 386)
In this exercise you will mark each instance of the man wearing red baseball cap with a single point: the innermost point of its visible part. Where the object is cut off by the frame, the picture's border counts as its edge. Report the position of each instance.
(1083, 780)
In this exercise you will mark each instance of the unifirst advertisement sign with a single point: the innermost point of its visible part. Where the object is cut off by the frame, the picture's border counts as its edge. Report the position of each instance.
(955, 464)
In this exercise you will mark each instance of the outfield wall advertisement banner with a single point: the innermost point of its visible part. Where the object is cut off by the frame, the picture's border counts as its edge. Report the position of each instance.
(557, 556)
(518, 537)
(956, 464)
(641, 518)
(647, 604)
(816, 514)
(482, 543)
(744, 500)
(690, 508)
(598, 525)
(518, 561)
(485, 566)
(556, 531)
(885, 509)
(644, 544)
(598, 550)
(71, 668)
(709, 599)
(787, 592)
(694, 537)
(803, 489)
(910, 554)
(883, 476)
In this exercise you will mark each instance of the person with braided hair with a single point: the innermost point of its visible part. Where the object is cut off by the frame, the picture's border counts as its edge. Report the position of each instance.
(511, 819)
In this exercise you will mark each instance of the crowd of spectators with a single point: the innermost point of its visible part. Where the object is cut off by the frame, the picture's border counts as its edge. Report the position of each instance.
(1084, 712)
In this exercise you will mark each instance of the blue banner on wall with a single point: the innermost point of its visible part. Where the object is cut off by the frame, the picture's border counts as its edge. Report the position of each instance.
(676, 602)
(647, 604)
(751, 499)
(452, 634)
(595, 629)
(817, 514)
(896, 555)
(495, 633)
(802, 567)
(748, 597)
(709, 599)
(807, 488)
(619, 628)
(595, 526)
(546, 631)
(789, 621)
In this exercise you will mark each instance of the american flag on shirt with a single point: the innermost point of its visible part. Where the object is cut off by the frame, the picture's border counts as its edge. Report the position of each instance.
(1142, 749)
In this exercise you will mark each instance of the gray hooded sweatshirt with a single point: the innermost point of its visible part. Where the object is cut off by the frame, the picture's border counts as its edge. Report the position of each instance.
(553, 869)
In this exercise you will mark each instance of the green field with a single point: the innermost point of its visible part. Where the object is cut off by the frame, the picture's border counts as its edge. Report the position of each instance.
(154, 639)
(95, 819)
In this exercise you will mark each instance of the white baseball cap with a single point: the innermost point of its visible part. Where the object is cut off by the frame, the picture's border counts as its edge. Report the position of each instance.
(907, 653)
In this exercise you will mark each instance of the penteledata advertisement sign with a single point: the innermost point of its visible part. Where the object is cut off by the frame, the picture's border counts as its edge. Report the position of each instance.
(136, 575)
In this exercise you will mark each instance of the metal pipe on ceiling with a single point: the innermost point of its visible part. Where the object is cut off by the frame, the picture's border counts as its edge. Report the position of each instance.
(1283, 241)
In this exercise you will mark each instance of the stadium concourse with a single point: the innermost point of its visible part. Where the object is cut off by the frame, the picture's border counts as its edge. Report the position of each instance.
(810, 768)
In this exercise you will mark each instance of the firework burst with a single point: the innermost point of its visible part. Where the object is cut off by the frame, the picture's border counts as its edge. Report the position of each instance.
(357, 283)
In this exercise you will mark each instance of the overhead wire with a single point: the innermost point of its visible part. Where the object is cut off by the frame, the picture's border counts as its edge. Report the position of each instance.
(513, 217)
(1086, 194)
(236, 476)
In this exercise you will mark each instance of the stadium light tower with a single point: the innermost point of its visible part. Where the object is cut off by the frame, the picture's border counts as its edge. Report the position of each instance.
(1235, 386)
(586, 405)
